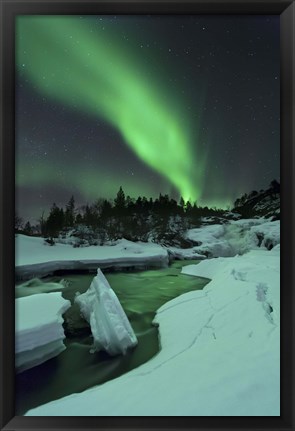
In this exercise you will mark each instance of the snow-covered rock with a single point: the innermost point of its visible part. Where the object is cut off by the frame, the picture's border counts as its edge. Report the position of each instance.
(184, 253)
(220, 352)
(38, 328)
(249, 234)
(229, 239)
(268, 234)
(109, 324)
(210, 240)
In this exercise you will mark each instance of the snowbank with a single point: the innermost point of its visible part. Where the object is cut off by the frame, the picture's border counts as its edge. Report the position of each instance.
(219, 351)
(38, 332)
(35, 259)
(109, 324)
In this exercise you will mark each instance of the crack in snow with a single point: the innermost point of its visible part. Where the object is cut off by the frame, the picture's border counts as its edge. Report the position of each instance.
(181, 352)
(207, 326)
(182, 302)
(261, 296)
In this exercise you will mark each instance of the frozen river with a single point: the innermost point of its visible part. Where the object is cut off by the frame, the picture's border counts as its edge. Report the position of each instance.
(76, 369)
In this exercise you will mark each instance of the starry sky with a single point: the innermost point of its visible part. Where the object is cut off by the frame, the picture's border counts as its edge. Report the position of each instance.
(184, 105)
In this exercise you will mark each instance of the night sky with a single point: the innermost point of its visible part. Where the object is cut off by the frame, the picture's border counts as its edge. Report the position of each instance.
(184, 105)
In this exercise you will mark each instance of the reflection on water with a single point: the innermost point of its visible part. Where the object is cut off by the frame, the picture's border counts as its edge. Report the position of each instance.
(76, 369)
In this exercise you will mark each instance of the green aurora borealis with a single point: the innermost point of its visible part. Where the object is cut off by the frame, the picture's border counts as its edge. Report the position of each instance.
(152, 104)
(101, 81)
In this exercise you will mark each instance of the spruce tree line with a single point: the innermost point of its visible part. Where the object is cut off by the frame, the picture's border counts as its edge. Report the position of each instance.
(162, 219)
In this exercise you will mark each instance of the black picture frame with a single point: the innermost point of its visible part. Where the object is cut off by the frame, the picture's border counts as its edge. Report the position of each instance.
(11, 8)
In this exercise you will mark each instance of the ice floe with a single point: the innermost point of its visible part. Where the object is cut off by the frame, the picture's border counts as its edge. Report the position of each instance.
(109, 324)
(38, 328)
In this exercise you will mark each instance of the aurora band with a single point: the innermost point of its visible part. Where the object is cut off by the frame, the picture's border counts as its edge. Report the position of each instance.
(68, 61)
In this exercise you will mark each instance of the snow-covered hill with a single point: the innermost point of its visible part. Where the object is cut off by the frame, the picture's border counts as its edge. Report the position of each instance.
(265, 203)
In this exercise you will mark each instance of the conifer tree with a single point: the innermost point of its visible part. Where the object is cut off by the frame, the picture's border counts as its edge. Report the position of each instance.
(70, 212)
(55, 221)
(120, 199)
(28, 228)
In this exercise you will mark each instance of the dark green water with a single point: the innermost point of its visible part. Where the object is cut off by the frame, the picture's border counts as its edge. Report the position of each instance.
(76, 369)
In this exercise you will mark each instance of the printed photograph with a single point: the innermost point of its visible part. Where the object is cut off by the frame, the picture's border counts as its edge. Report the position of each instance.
(147, 215)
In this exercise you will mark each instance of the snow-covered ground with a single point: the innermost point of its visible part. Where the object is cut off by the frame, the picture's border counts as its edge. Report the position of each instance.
(34, 259)
(38, 328)
(220, 347)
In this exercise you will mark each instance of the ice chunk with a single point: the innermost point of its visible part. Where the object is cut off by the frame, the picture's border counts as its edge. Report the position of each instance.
(39, 331)
(32, 358)
(35, 285)
(109, 324)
